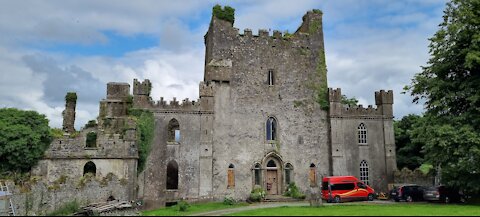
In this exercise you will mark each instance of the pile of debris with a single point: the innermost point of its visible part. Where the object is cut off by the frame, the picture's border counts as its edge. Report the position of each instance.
(95, 209)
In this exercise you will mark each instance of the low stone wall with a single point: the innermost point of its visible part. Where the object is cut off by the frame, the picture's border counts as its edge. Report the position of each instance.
(406, 176)
(41, 197)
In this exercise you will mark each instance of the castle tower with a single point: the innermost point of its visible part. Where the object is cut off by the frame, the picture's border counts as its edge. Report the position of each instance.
(69, 112)
(141, 92)
(384, 101)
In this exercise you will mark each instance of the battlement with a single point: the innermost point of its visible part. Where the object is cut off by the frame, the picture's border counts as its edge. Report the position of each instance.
(142, 88)
(118, 91)
(207, 89)
(359, 110)
(185, 104)
(335, 95)
(382, 97)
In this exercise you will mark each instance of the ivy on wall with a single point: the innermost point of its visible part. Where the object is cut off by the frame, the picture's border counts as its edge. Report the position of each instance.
(145, 127)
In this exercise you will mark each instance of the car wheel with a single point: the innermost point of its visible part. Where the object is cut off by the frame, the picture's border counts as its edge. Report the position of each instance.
(370, 197)
(409, 198)
(337, 199)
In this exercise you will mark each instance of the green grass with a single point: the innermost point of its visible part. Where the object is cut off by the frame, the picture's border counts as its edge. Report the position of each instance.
(368, 210)
(194, 208)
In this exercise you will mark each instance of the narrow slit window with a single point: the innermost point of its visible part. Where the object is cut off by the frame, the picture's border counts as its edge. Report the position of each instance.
(271, 79)
(231, 176)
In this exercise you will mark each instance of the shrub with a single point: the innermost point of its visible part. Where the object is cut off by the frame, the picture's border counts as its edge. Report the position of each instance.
(91, 141)
(229, 201)
(257, 194)
(183, 206)
(91, 123)
(227, 13)
(294, 192)
(66, 209)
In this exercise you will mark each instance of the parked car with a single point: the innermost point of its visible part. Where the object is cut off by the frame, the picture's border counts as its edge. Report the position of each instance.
(345, 188)
(443, 194)
(407, 193)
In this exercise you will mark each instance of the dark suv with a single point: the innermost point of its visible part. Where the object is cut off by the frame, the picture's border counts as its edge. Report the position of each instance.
(407, 193)
(443, 194)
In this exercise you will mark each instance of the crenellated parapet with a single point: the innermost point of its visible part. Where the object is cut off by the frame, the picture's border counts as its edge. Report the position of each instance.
(142, 88)
(335, 95)
(361, 111)
(383, 97)
(207, 89)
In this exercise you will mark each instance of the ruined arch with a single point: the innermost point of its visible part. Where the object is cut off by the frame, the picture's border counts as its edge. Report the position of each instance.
(173, 131)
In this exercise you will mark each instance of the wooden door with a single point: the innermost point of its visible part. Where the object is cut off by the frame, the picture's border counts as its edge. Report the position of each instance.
(272, 182)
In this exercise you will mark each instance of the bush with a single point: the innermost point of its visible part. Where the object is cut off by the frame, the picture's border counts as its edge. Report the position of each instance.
(66, 209)
(229, 201)
(227, 13)
(294, 192)
(183, 206)
(91, 123)
(257, 194)
(24, 139)
(91, 141)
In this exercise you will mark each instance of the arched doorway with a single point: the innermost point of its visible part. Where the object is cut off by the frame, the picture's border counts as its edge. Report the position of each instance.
(90, 168)
(273, 176)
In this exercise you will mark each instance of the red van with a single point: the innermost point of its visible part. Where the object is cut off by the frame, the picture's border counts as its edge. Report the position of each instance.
(345, 188)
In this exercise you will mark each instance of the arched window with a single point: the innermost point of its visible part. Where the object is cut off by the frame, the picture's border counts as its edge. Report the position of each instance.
(231, 176)
(362, 134)
(271, 129)
(364, 172)
(288, 173)
(172, 175)
(270, 78)
(313, 175)
(90, 168)
(257, 174)
(173, 131)
(271, 163)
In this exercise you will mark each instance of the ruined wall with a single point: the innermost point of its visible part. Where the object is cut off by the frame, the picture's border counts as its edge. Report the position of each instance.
(41, 197)
(69, 112)
(379, 151)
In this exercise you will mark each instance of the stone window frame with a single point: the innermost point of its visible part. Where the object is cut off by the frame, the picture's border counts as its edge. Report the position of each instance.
(272, 135)
(257, 174)
(289, 167)
(231, 176)
(271, 77)
(364, 172)
(175, 186)
(362, 133)
(172, 128)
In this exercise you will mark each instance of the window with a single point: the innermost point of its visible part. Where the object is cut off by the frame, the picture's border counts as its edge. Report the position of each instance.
(172, 175)
(257, 173)
(271, 163)
(288, 173)
(91, 141)
(90, 168)
(173, 131)
(313, 175)
(362, 134)
(271, 80)
(231, 176)
(364, 172)
(343, 186)
(271, 129)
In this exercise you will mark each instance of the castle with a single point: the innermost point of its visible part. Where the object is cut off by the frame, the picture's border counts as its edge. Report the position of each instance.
(265, 118)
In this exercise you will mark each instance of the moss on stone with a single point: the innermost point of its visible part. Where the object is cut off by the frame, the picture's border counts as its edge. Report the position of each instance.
(71, 97)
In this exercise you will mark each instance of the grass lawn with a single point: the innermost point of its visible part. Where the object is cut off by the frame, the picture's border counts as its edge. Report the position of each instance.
(369, 210)
(194, 208)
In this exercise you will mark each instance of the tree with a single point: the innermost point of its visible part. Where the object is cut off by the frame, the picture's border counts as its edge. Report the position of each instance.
(350, 102)
(449, 86)
(409, 153)
(24, 137)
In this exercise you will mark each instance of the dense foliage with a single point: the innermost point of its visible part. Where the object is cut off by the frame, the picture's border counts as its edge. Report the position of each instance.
(71, 97)
(349, 101)
(145, 127)
(409, 153)
(294, 192)
(227, 13)
(24, 137)
(449, 86)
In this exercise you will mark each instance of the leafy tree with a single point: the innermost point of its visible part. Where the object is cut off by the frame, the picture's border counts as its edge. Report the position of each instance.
(449, 86)
(24, 137)
(350, 102)
(409, 153)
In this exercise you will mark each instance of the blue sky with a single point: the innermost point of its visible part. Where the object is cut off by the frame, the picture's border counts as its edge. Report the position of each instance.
(56, 46)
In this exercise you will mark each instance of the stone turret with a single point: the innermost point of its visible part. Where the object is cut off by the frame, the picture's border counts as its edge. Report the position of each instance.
(69, 112)
(384, 102)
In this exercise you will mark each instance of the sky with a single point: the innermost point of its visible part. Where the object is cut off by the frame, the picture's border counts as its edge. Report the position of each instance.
(49, 48)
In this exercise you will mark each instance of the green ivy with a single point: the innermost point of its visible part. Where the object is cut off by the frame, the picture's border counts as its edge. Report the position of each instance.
(71, 97)
(91, 139)
(227, 13)
(145, 128)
